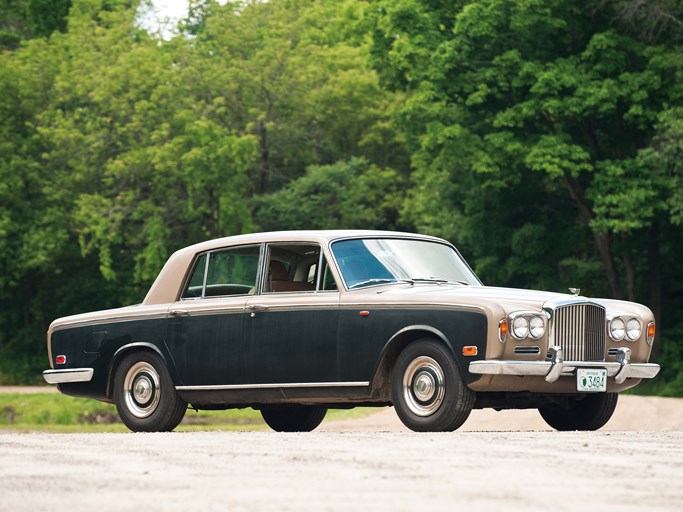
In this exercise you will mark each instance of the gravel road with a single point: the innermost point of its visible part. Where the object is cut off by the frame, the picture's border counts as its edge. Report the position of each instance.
(366, 464)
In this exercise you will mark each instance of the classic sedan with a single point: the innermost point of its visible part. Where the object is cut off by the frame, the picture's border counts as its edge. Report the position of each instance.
(294, 323)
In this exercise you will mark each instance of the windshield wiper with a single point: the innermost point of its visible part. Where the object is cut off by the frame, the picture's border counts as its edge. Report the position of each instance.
(414, 280)
(371, 281)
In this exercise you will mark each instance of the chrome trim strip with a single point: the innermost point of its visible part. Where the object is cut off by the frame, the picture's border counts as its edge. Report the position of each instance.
(405, 305)
(527, 350)
(279, 385)
(70, 375)
(110, 320)
(556, 368)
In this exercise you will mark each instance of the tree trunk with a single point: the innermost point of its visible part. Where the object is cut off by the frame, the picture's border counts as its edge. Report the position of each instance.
(630, 276)
(603, 241)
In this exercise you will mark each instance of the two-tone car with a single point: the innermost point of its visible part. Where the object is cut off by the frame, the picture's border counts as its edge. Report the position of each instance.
(295, 323)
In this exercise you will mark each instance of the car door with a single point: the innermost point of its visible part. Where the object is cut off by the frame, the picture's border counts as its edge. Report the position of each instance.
(205, 327)
(291, 326)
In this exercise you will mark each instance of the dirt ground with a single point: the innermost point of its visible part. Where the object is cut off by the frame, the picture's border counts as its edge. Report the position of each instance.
(364, 464)
(634, 413)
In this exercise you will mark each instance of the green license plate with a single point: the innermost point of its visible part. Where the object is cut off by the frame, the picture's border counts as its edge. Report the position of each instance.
(591, 380)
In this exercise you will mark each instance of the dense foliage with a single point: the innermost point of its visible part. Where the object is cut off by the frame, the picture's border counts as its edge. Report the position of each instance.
(543, 137)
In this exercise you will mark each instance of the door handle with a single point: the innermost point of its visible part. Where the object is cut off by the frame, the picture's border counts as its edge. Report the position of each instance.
(179, 312)
(257, 307)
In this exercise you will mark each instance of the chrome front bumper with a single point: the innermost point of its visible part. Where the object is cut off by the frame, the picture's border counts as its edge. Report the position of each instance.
(555, 366)
(71, 375)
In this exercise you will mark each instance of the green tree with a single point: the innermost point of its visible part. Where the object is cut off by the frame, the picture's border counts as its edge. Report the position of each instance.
(351, 194)
(534, 125)
(294, 75)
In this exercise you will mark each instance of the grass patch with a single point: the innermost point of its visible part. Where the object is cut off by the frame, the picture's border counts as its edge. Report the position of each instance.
(50, 412)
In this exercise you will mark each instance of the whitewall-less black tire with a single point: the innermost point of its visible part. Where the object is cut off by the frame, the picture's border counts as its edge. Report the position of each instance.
(293, 418)
(144, 394)
(427, 390)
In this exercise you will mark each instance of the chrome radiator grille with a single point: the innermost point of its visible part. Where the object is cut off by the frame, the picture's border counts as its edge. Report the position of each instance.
(580, 330)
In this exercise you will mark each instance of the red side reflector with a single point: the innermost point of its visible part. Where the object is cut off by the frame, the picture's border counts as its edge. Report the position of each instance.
(60, 360)
(364, 313)
(469, 351)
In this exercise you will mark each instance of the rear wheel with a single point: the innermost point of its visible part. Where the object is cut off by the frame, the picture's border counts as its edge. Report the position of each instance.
(589, 412)
(293, 418)
(427, 389)
(144, 394)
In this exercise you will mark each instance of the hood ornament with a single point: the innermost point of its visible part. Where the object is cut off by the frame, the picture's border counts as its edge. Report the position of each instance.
(575, 291)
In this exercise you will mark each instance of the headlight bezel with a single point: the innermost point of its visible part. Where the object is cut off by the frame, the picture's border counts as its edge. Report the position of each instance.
(520, 323)
(613, 329)
(618, 328)
(637, 336)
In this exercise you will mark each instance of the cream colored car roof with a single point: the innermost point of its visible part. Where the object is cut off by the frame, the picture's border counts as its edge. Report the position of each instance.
(167, 284)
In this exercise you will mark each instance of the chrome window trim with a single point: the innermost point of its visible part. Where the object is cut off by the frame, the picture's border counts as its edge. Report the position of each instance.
(206, 273)
(277, 385)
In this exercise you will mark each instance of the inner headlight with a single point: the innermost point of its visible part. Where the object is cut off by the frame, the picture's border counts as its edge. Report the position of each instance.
(536, 327)
(617, 329)
(520, 327)
(633, 329)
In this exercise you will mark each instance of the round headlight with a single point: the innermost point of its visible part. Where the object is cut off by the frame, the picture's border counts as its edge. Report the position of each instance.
(617, 329)
(520, 327)
(536, 327)
(633, 329)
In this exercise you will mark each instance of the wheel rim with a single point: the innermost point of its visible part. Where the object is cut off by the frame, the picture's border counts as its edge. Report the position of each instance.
(423, 386)
(141, 389)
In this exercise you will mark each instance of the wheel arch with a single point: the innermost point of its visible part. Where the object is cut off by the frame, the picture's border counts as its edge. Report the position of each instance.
(123, 351)
(381, 380)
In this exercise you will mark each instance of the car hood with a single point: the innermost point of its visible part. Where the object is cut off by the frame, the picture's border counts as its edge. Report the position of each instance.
(510, 299)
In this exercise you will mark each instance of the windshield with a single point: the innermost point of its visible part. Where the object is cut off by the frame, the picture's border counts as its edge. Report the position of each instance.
(381, 261)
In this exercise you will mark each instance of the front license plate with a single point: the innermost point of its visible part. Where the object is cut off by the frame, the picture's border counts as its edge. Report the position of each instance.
(590, 380)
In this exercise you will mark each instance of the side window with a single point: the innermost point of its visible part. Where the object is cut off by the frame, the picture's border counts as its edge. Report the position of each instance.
(328, 279)
(195, 285)
(292, 268)
(229, 272)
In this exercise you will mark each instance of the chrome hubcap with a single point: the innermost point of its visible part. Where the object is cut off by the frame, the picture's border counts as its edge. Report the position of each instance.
(141, 389)
(423, 386)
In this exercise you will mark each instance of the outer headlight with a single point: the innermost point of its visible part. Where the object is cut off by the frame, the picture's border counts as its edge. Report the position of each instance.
(520, 327)
(617, 329)
(536, 327)
(633, 329)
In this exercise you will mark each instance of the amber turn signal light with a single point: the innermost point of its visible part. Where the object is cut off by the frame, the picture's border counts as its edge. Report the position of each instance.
(651, 330)
(503, 330)
(469, 351)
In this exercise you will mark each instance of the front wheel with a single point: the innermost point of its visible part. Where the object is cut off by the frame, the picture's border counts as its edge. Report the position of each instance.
(144, 394)
(427, 389)
(293, 418)
(589, 412)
